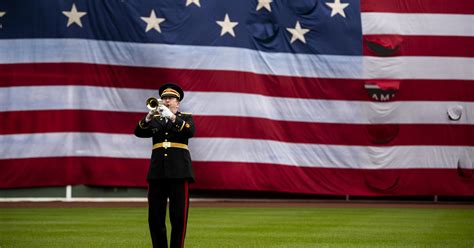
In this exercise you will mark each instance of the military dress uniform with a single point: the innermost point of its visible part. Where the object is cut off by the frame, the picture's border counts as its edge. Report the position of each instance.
(169, 175)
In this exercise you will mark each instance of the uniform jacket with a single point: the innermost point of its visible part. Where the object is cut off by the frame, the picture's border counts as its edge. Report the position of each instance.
(169, 162)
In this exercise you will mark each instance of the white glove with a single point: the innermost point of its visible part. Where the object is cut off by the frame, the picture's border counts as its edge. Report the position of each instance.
(166, 112)
(150, 115)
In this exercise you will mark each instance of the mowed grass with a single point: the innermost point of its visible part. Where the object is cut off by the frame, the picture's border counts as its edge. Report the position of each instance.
(242, 227)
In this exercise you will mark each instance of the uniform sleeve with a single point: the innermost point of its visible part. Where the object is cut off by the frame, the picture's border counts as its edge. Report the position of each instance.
(143, 129)
(184, 124)
(148, 129)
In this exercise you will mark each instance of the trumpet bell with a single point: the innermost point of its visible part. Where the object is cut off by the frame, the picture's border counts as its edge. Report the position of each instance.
(153, 103)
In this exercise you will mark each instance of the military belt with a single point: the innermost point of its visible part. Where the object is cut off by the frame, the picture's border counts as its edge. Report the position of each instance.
(170, 145)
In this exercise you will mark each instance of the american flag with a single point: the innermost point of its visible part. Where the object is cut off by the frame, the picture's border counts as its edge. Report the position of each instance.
(336, 97)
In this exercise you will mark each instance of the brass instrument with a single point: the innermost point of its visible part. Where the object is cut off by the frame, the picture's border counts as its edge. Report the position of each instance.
(153, 103)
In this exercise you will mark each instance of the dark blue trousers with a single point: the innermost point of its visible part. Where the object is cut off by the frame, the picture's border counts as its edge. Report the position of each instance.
(159, 192)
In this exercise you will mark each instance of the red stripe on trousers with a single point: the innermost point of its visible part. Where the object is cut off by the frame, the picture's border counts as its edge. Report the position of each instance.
(186, 199)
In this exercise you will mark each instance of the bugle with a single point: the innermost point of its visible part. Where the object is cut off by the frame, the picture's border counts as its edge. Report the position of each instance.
(153, 103)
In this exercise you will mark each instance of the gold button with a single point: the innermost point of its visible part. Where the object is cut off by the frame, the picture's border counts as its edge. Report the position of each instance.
(166, 155)
(166, 140)
(166, 133)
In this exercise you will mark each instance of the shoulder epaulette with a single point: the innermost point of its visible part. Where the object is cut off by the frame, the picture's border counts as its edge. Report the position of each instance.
(186, 113)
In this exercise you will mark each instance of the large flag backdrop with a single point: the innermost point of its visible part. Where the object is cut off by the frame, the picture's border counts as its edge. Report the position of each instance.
(311, 96)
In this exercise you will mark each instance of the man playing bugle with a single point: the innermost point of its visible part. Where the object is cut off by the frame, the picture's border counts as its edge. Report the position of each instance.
(170, 170)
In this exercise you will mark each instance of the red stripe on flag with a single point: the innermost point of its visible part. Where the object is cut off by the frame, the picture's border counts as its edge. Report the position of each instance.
(240, 176)
(225, 81)
(418, 6)
(331, 181)
(441, 46)
(58, 171)
(248, 128)
(335, 133)
(47, 121)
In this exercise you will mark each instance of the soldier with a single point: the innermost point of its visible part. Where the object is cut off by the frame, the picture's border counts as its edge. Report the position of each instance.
(170, 170)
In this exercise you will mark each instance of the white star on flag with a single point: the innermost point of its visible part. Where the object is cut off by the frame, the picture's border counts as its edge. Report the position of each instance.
(264, 4)
(74, 16)
(297, 33)
(189, 2)
(2, 13)
(152, 22)
(337, 8)
(227, 26)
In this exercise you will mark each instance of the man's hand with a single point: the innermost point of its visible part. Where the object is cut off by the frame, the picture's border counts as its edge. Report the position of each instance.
(166, 112)
(150, 115)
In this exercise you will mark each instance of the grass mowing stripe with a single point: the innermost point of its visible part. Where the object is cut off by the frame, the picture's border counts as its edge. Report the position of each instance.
(242, 227)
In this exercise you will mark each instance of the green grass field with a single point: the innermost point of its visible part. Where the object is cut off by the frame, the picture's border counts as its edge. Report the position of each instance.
(242, 227)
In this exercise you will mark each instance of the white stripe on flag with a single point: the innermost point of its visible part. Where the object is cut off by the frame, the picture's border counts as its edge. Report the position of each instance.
(233, 104)
(73, 145)
(417, 24)
(412, 67)
(236, 150)
(218, 58)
